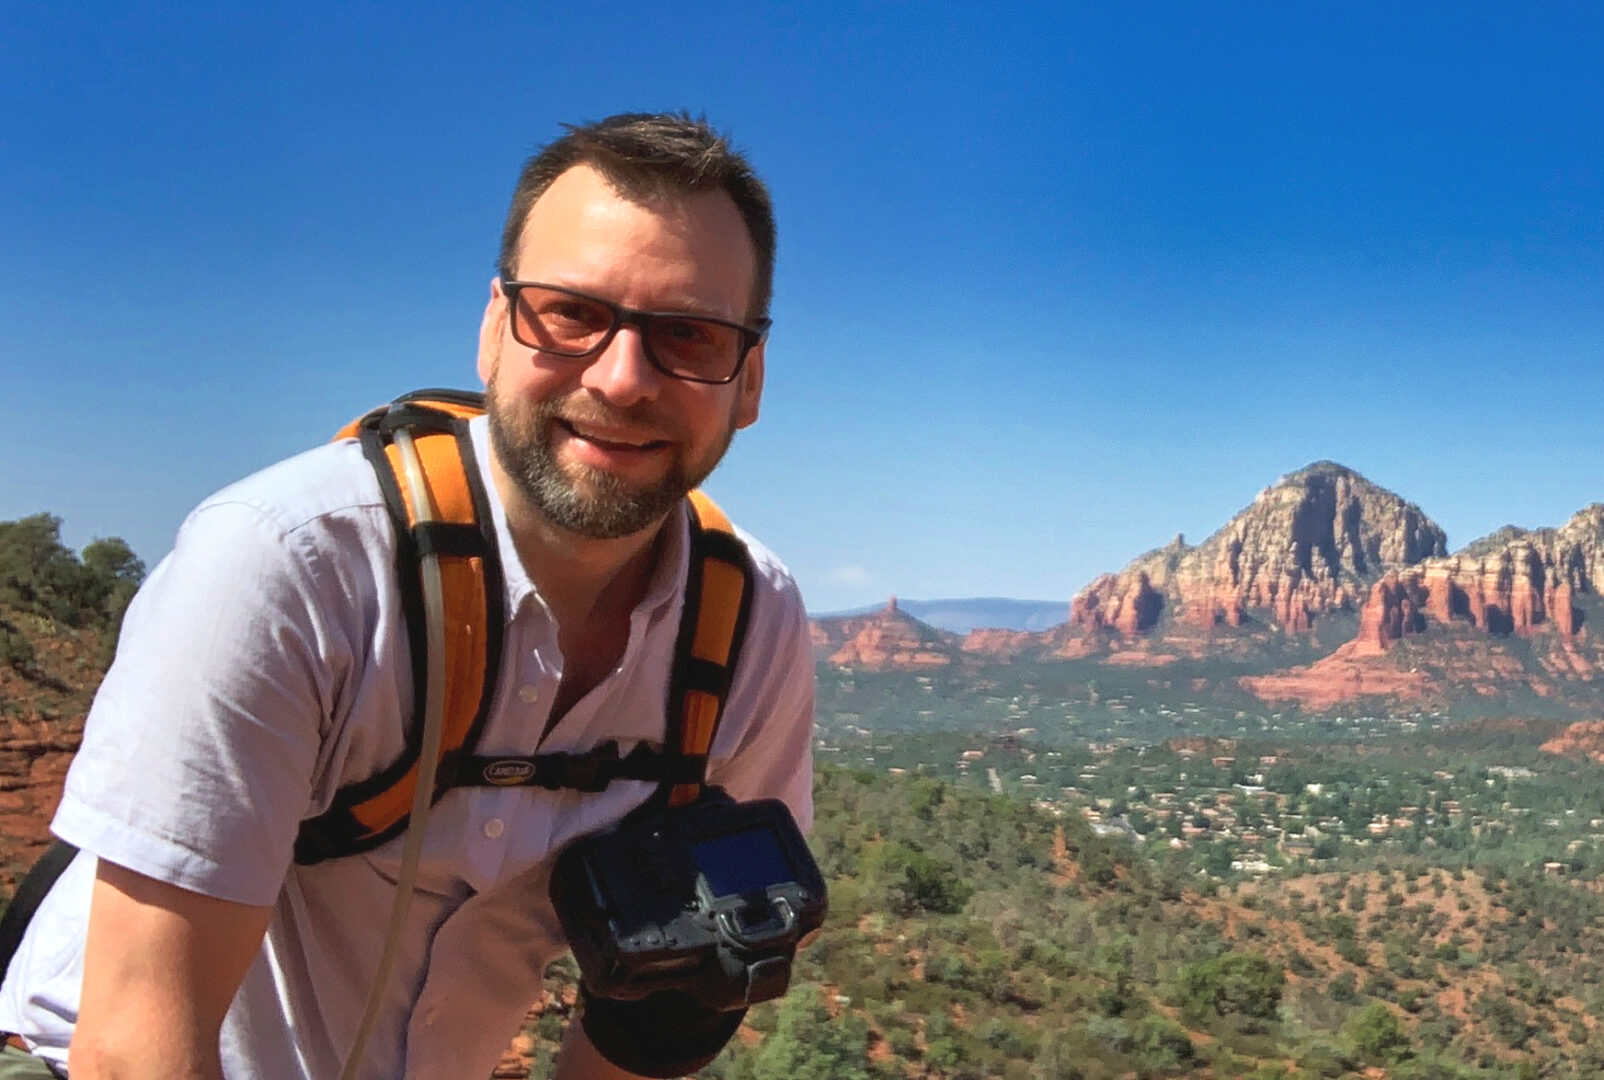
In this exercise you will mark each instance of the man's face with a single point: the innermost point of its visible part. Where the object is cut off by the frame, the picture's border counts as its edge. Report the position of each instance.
(605, 445)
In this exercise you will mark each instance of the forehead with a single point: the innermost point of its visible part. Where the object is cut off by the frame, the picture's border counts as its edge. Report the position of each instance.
(688, 249)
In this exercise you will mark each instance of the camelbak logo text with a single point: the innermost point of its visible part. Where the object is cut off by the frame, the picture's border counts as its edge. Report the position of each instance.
(511, 771)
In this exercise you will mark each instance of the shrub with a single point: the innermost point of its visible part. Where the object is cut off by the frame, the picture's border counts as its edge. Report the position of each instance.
(1241, 983)
(808, 1044)
(911, 880)
(1377, 1034)
(40, 576)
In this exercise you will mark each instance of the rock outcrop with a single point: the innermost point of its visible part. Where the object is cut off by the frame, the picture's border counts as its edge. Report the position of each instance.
(1512, 583)
(888, 639)
(34, 756)
(998, 644)
(1313, 542)
(42, 709)
(1584, 740)
(1351, 673)
(1515, 581)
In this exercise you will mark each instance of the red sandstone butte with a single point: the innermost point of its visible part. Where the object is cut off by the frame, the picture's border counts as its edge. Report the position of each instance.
(1312, 543)
(999, 644)
(1512, 582)
(888, 639)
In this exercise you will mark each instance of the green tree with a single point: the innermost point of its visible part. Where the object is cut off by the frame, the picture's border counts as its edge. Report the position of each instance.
(40, 576)
(1507, 1019)
(116, 572)
(912, 880)
(16, 651)
(1162, 1047)
(1058, 1057)
(37, 574)
(1378, 1034)
(1241, 983)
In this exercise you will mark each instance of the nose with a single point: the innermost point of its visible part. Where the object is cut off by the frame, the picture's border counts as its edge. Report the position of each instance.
(621, 373)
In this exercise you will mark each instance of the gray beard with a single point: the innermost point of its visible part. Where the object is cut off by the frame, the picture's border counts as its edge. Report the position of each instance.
(605, 508)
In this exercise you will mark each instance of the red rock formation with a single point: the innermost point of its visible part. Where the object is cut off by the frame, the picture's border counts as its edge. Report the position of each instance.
(1579, 740)
(887, 639)
(33, 763)
(1513, 582)
(1113, 603)
(1562, 608)
(41, 726)
(1354, 671)
(1312, 543)
(1000, 644)
(1391, 610)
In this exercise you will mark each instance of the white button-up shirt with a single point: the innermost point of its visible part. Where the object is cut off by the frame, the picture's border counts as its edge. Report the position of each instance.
(262, 667)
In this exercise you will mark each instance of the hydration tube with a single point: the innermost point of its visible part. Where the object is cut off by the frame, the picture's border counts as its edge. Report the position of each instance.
(428, 755)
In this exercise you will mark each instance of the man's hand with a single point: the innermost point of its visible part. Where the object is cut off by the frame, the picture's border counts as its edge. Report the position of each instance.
(579, 1060)
(161, 966)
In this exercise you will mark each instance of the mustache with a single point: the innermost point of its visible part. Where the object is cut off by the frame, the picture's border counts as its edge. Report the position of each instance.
(645, 418)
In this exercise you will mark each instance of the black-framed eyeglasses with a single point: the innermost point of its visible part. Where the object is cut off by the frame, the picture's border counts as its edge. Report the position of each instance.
(565, 322)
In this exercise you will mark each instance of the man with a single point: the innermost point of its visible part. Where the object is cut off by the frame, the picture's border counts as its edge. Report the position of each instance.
(264, 666)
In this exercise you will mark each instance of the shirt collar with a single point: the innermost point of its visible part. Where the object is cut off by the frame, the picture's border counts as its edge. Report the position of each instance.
(668, 576)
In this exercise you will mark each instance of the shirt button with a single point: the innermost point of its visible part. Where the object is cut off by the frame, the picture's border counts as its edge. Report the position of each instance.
(495, 827)
(529, 694)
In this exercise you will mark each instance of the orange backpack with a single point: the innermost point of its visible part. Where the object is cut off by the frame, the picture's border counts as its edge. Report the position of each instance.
(712, 626)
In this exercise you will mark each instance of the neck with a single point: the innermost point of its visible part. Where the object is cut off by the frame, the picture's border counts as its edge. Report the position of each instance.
(580, 578)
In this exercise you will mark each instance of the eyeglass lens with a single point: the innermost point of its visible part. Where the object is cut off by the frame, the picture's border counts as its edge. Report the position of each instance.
(683, 345)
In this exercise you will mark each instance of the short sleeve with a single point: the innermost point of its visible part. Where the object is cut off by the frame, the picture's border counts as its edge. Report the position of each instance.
(199, 750)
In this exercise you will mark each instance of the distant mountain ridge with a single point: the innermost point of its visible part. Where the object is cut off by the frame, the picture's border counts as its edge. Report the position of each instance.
(1326, 589)
(1311, 543)
(961, 615)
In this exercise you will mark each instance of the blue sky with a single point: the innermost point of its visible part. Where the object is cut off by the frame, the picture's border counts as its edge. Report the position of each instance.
(1055, 282)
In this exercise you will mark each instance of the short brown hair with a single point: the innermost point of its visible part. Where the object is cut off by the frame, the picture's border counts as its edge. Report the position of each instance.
(644, 155)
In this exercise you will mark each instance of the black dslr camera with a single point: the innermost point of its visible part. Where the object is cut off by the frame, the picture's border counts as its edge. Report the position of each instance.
(681, 919)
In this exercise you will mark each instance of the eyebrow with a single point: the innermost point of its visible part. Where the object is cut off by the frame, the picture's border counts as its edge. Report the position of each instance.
(690, 306)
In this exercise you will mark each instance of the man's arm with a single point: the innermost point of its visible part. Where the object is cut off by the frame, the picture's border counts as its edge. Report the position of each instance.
(161, 966)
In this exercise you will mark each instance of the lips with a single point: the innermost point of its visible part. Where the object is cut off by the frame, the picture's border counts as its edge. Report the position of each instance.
(612, 440)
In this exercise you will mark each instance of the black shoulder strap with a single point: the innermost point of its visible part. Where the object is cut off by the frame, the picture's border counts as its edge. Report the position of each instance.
(29, 895)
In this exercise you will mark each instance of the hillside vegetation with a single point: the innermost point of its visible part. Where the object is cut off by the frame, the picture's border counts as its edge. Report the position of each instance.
(59, 613)
(46, 589)
(972, 935)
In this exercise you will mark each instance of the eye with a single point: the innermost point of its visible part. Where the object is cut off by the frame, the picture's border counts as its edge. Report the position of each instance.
(686, 332)
(572, 314)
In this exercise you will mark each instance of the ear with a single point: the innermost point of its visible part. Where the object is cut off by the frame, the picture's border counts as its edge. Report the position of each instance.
(749, 386)
(491, 329)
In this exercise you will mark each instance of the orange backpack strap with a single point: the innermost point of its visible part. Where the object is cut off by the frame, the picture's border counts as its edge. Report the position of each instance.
(718, 601)
(718, 597)
(369, 812)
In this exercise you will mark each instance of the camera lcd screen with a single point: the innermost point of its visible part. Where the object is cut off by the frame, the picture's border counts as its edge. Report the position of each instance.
(742, 862)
